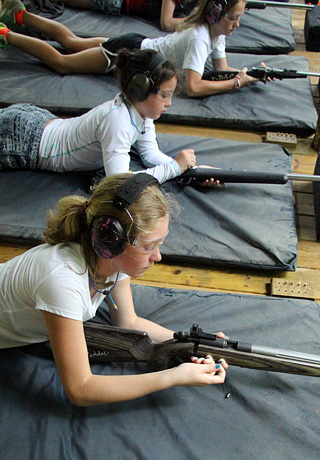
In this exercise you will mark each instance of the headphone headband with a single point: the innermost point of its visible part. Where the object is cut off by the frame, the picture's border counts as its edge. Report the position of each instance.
(131, 190)
(155, 63)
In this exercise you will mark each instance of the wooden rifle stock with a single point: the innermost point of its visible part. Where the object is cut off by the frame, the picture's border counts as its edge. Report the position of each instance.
(198, 174)
(112, 344)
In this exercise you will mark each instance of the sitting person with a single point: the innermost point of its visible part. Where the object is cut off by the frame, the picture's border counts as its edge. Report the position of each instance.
(91, 250)
(202, 36)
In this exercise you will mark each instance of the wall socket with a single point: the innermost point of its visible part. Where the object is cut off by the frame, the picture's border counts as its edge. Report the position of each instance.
(286, 139)
(283, 287)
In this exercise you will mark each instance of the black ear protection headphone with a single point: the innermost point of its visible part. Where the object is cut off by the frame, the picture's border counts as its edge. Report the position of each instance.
(140, 82)
(215, 10)
(108, 236)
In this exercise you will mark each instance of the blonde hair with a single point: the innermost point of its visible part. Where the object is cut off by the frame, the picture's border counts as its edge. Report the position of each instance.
(198, 15)
(70, 221)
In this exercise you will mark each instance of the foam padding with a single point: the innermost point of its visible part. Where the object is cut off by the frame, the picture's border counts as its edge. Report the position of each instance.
(239, 225)
(284, 106)
(267, 415)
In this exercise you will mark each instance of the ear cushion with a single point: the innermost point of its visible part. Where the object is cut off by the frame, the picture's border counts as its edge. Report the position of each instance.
(215, 10)
(108, 237)
(140, 83)
(138, 86)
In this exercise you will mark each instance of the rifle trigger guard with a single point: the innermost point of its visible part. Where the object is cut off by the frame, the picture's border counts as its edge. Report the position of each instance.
(184, 181)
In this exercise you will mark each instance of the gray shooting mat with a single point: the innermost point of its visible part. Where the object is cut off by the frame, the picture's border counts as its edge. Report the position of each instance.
(284, 106)
(266, 31)
(239, 225)
(267, 415)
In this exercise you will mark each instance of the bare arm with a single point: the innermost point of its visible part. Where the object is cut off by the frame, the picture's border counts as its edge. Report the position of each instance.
(126, 316)
(85, 389)
(167, 21)
(197, 87)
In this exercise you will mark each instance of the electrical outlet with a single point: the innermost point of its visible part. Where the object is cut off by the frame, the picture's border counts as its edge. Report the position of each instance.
(285, 139)
(289, 288)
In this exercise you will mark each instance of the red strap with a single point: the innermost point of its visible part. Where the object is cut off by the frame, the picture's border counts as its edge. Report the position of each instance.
(18, 16)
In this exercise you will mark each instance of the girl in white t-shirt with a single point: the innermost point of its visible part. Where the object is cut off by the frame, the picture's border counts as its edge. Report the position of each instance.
(92, 249)
(201, 36)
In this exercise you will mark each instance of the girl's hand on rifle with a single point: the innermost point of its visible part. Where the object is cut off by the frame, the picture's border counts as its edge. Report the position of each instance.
(208, 373)
(263, 64)
(210, 182)
(244, 79)
(208, 359)
(186, 159)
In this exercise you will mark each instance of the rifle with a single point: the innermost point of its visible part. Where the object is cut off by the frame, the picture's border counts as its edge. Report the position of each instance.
(258, 5)
(197, 174)
(260, 72)
(109, 344)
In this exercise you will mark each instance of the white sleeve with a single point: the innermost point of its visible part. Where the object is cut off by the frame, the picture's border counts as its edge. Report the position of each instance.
(64, 295)
(158, 164)
(196, 55)
(116, 136)
(220, 48)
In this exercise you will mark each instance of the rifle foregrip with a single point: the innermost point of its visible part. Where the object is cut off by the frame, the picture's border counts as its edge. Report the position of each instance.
(241, 177)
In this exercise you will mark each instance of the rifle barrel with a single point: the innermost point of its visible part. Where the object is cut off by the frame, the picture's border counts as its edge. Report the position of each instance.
(261, 5)
(304, 177)
(293, 356)
(241, 177)
(280, 73)
(252, 356)
(300, 72)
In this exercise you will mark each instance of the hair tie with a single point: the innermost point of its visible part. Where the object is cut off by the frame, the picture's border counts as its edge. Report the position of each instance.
(85, 206)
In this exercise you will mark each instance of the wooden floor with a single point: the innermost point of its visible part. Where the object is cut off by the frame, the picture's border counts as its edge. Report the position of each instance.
(245, 281)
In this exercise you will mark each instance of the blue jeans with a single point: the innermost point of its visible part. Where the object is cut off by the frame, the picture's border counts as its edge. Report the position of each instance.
(21, 128)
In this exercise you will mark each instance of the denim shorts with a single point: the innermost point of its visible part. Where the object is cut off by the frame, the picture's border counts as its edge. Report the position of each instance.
(21, 128)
